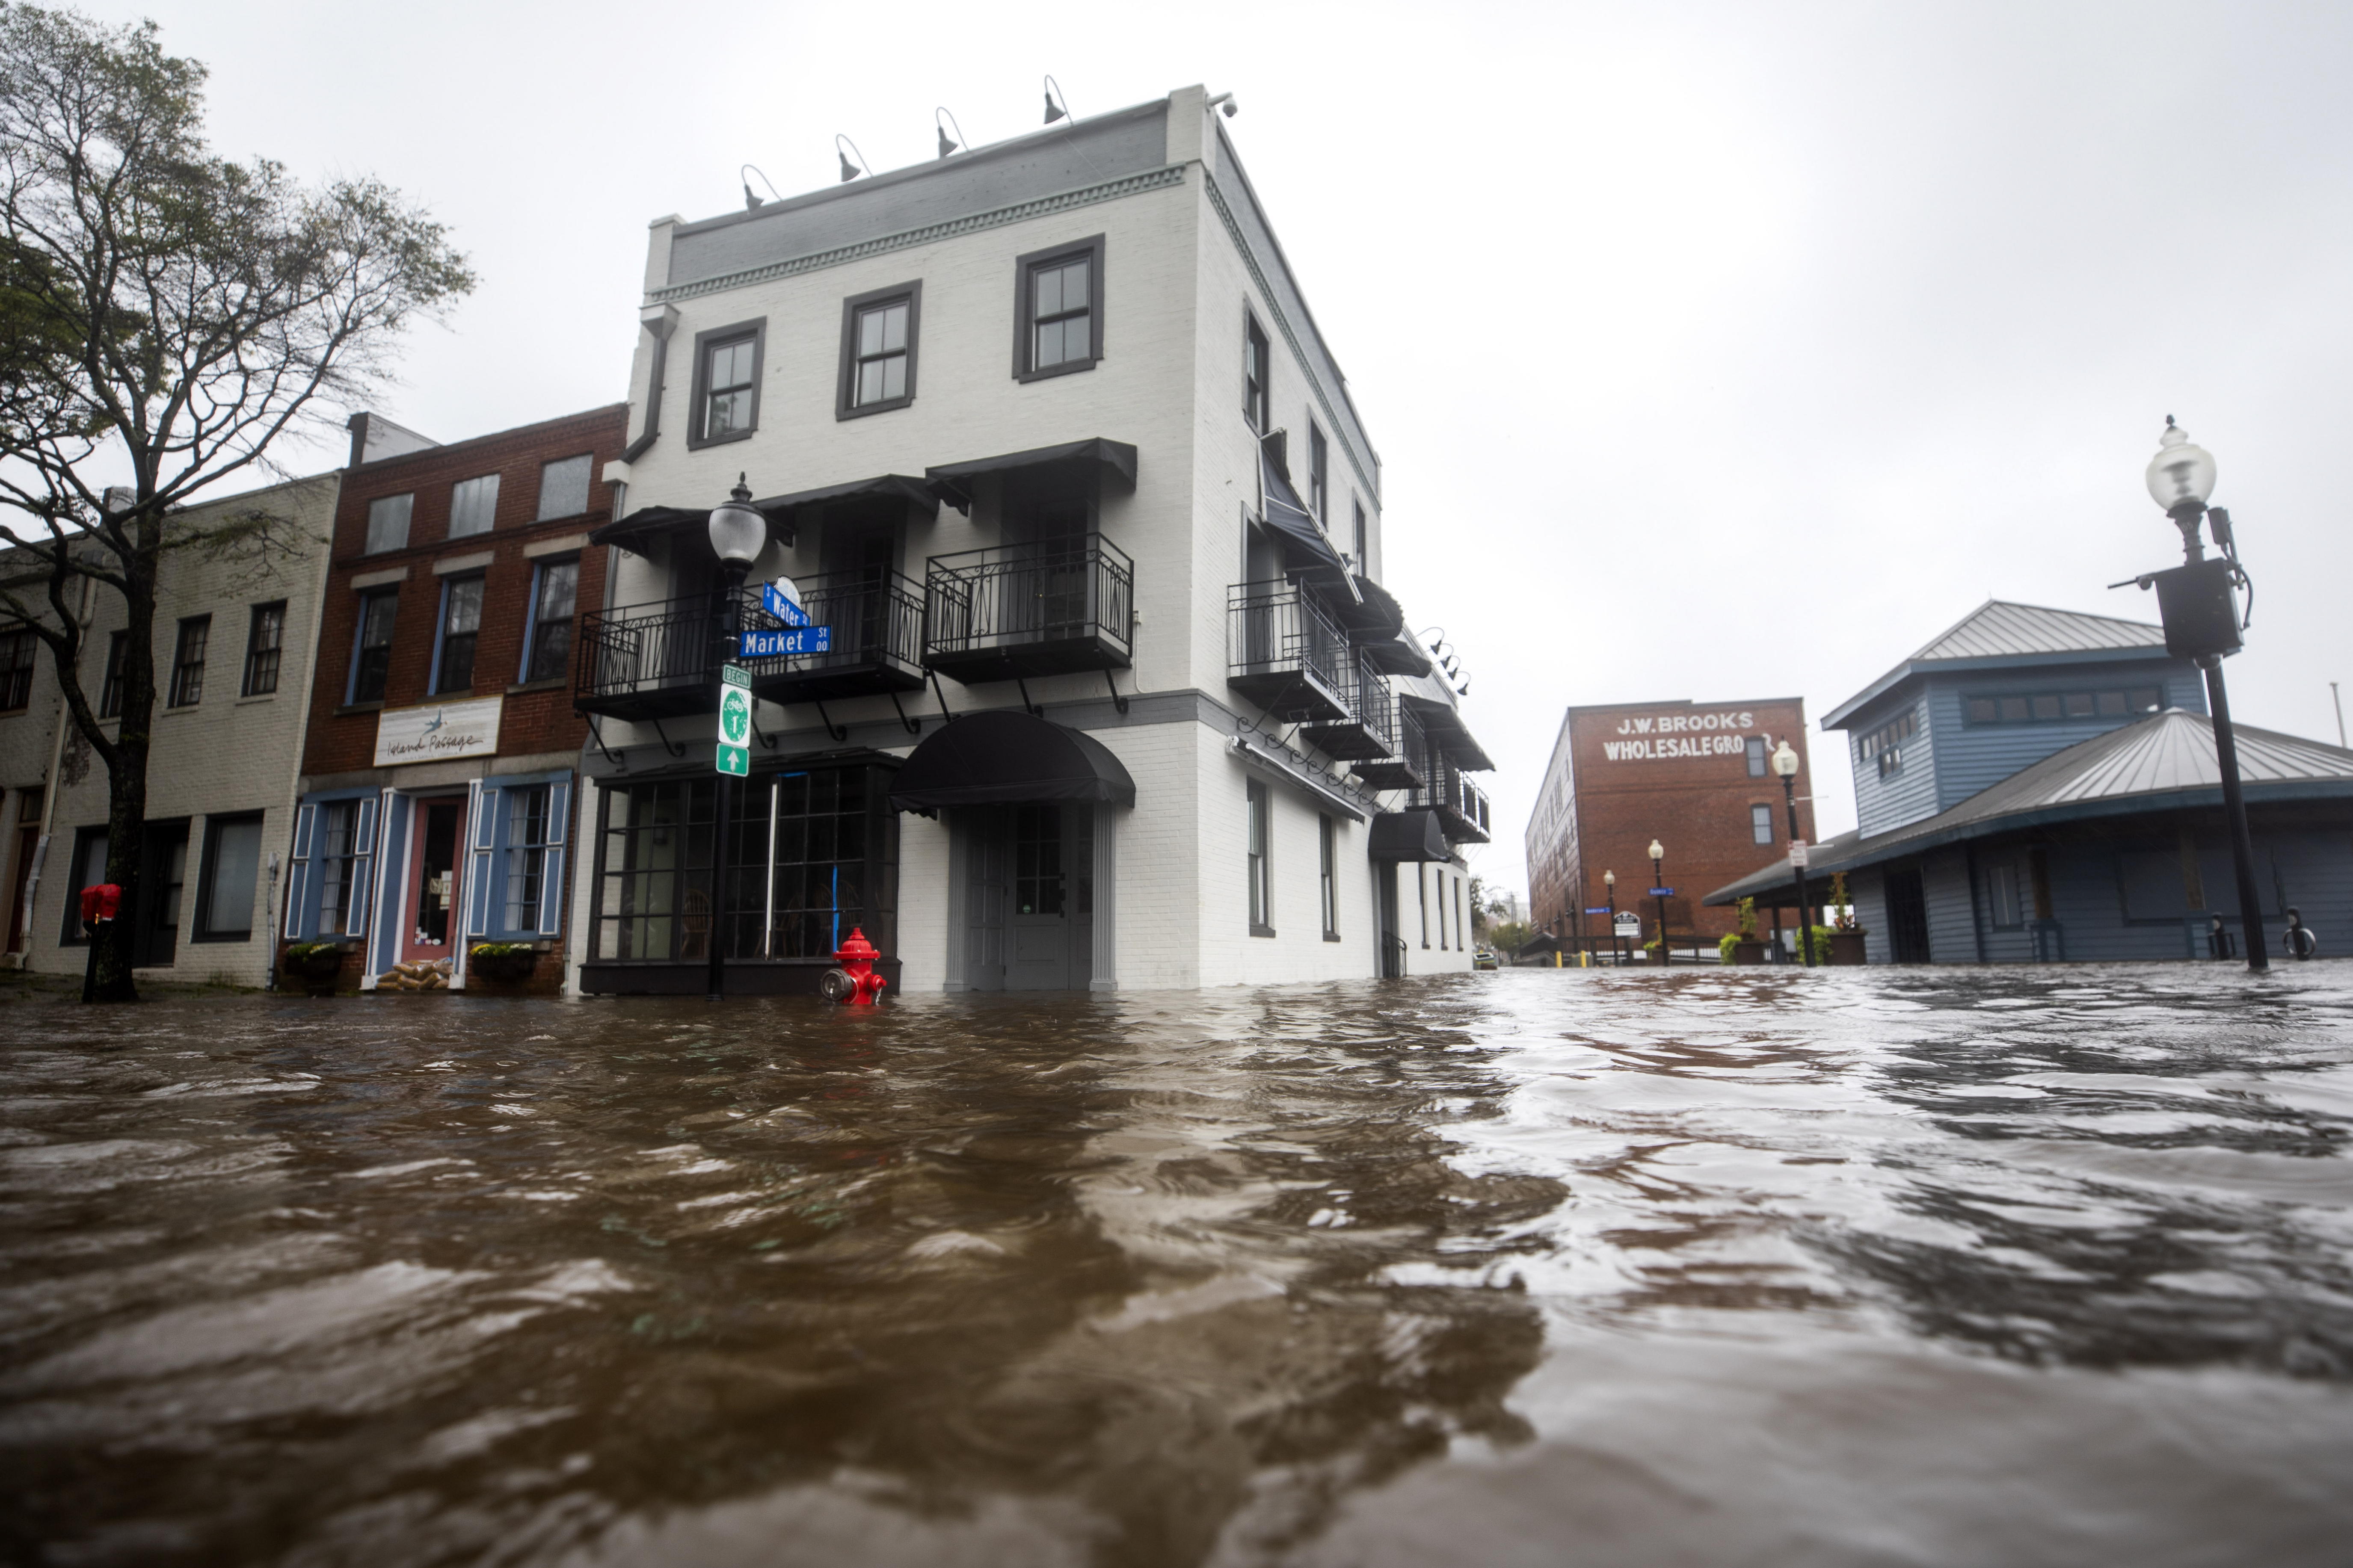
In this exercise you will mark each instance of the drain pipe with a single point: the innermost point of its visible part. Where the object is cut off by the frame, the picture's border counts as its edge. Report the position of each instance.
(50, 798)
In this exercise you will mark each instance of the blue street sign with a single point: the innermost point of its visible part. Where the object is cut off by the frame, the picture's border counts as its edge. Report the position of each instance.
(783, 600)
(772, 645)
(1598, 910)
(1662, 892)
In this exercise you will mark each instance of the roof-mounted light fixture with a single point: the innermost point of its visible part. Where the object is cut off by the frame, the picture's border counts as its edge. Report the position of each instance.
(1056, 110)
(751, 202)
(849, 170)
(956, 144)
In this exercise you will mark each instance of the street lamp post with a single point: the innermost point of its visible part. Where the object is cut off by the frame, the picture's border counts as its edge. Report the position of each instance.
(738, 533)
(1659, 891)
(2200, 617)
(1785, 764)
(1610, 886)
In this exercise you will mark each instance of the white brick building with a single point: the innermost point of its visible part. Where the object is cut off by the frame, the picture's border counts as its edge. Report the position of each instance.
(235, 633)
(1042, 432)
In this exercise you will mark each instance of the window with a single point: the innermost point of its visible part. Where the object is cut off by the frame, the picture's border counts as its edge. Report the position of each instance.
(1256, 368)
(1327, 843)
(2001, 888)
(1440, 878)
(1459, 943)
(338, 850)
(809, 857)
(474, 502)
(461, 624)
(554, 593)
(527, 836)
(371, 644)
(878, 351)
(88, 869)
(1318, 463)
(1422, 898)
(265, 639)
(226, 888)
(17, 652)
(188, 661)
(387, 527)
(1755, 749)
(2062, 707)
(1058, 311)
(563, 487)
(1760, 824)
(1356, 532)
(1261, 886)
(726, 383)
(110, 692)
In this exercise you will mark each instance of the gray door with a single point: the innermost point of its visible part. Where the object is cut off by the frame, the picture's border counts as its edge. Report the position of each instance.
(984, 850)
(1037, 923)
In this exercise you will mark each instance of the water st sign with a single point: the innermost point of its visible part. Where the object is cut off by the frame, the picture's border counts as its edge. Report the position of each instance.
(775, 644)
(735, 754)
(782, 599)
(1662, 892)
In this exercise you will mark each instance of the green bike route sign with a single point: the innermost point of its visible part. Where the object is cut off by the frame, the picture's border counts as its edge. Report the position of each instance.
(735, 754)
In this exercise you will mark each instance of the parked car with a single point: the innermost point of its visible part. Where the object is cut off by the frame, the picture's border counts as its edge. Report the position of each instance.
(1483, 959)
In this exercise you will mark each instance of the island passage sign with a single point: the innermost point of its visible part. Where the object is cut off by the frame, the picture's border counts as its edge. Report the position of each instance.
(437, 731)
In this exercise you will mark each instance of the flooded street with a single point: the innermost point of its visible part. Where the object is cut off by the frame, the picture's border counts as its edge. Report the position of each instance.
(1749, 1266)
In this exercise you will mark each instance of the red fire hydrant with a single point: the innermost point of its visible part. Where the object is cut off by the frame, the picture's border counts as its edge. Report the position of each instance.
(855, 983)
(100, 904)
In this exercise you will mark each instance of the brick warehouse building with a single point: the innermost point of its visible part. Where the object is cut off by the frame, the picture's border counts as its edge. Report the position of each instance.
(436, 803)
(1693, 777)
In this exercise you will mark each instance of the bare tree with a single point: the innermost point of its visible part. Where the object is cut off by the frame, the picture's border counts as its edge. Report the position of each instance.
(172, 313)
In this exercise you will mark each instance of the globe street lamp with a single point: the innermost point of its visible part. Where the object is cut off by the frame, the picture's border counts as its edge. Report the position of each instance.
(2201, 621)
(1785, 764)
(738, 533)
(1610, 886)
(1659, 891)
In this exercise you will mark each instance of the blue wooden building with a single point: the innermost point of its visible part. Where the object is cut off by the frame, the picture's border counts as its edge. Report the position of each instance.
(2039, 784)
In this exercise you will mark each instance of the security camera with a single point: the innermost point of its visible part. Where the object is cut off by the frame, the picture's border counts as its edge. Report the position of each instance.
(1232, 108)
(1225, 100)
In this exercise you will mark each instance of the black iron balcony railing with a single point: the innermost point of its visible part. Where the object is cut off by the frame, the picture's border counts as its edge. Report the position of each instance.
(1406, 764)
(1285, 654)
(649, 661)
(659, 660)
(1030, 609)
(1463, 811)
(876, 618)
(1368, 729)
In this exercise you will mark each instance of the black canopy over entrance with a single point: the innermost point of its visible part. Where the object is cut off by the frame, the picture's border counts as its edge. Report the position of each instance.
(1409, 836)
(1004, 756)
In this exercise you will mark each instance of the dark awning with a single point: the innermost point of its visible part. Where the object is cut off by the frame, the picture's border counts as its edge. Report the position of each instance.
(1442, 722)
(1004, 756)
(647, 523)
(1395, 656)
(1304, 542)
(1375, 616)
(1409, 836)
(952, 481)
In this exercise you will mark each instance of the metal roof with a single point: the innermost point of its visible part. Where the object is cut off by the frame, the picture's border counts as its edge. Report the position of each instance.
(2164, 762)
(1999, 630)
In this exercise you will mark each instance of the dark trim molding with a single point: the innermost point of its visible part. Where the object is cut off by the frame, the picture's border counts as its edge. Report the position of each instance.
(846, 377)
(757, 331)
(1091, 247)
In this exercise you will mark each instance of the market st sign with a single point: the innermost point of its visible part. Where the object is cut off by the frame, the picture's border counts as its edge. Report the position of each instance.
(437, 731)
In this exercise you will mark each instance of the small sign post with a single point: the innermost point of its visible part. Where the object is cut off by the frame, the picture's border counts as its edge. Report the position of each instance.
(735, 754)
(1797, 853)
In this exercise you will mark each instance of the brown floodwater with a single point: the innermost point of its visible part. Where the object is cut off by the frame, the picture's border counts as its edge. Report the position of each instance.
(1709, 1267)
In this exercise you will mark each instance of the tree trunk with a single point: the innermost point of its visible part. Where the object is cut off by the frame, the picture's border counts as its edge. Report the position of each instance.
(126, 769)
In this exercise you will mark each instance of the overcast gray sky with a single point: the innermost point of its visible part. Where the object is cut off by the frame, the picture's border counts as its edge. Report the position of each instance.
(1717, 352)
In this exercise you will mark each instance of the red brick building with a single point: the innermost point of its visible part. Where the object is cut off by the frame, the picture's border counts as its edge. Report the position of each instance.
(1693, 777)
(442, 745)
